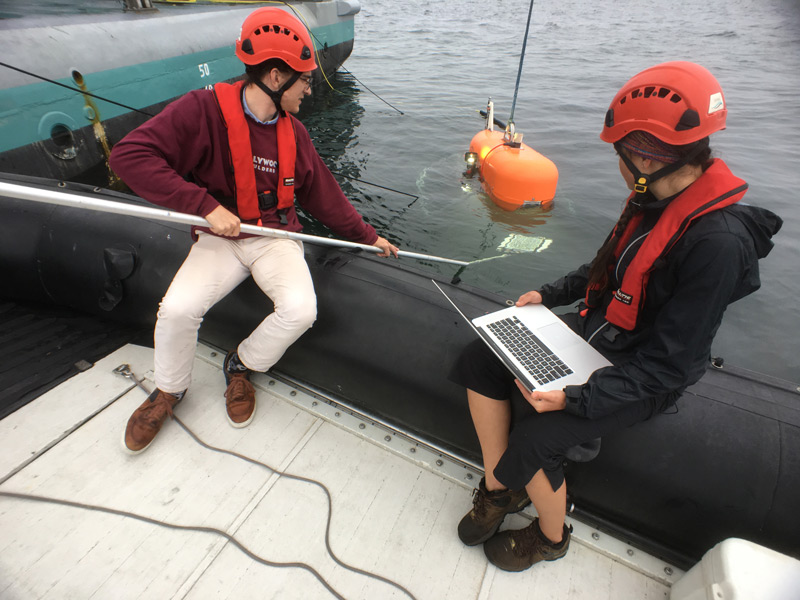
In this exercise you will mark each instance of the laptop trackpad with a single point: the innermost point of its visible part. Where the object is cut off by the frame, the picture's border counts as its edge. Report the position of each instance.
(557, 336)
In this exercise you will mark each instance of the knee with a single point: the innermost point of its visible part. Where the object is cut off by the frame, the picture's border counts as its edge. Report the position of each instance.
(180, 308)
(298, 312)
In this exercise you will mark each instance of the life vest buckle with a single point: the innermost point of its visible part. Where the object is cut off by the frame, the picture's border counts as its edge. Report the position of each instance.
(266, 200)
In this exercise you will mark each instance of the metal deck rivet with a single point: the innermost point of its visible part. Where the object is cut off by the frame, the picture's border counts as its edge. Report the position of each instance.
(439, 462)
(595, 536)
(469, 476)
(412, 449)
(388, 438)
(337, 414)
(213, 354)
(361, 426)
(630, 552)
(293, 393)
(314, 403)
(271, 382)
(668, 570)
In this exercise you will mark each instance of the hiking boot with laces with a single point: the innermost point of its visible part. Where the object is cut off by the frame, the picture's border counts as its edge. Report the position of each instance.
(517, 550)
(146, 421)
(240, 395)
(488, 511)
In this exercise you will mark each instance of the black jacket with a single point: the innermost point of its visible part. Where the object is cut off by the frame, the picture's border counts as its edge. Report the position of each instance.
(713, 264)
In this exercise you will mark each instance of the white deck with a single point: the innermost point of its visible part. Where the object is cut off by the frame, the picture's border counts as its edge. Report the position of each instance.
(395, 510)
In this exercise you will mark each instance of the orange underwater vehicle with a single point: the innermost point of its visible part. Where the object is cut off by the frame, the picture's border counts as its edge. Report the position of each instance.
(513, 174)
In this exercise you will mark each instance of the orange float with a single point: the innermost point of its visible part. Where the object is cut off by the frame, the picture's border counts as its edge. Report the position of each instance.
(512, 173)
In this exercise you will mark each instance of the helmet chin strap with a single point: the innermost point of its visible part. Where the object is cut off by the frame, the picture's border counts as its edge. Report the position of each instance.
(276, 96)
(642, 181)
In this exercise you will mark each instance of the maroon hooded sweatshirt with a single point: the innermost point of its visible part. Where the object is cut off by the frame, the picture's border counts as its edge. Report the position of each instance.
(180, 159)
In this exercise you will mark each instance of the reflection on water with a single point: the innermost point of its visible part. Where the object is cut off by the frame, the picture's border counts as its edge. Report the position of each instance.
(333, 115)
(521, 220)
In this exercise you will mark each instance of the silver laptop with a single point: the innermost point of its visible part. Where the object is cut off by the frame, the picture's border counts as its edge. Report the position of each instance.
(536, 346)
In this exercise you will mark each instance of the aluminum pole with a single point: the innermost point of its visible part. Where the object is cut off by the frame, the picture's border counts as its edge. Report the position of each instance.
(74, 200)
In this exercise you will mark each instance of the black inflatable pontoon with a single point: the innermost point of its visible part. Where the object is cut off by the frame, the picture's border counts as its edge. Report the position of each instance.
(727, 464)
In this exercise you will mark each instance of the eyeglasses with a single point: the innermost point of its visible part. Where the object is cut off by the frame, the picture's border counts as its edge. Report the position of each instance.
(306, 81)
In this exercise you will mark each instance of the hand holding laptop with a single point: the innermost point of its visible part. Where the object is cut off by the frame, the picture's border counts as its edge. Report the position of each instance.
(543, 401)
(533, 297)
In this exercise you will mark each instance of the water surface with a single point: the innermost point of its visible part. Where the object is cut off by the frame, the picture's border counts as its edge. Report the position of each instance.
(439, 62)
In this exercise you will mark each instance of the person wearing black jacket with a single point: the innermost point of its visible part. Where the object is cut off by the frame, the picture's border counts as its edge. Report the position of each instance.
(652, 299)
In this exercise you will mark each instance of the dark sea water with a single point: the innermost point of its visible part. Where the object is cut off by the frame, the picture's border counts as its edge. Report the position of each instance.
(439, 62)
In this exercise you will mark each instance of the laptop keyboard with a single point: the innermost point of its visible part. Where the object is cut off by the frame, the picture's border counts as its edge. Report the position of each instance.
(542, 364)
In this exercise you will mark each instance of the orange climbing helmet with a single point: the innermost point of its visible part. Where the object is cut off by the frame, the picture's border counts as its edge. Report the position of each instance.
(678, 102)
(274, 33)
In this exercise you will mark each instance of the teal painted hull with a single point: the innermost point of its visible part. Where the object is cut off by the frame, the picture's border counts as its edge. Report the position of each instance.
(138, 62)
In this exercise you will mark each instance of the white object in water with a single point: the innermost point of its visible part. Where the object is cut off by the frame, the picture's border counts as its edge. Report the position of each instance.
(524, 243)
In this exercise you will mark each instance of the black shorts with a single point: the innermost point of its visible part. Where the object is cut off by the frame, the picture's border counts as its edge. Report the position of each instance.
(537, 440)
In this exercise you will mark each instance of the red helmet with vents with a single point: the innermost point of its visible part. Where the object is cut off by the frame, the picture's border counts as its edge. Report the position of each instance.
(678, 102)
(274, 33)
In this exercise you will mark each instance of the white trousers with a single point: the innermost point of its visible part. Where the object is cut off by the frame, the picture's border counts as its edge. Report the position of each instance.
(213, 268)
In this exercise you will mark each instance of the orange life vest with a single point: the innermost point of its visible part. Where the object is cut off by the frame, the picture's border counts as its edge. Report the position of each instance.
(229, 101)
(716, 188)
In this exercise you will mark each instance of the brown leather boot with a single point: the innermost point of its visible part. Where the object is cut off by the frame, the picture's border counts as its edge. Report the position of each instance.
(488, 511)
(146, 421)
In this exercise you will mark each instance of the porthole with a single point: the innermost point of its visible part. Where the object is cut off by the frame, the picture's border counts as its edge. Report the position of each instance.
(62, 136)
(56, 130)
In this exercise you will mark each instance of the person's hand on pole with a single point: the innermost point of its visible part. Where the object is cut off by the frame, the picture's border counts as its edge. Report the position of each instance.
(387, 247)
(223, 222)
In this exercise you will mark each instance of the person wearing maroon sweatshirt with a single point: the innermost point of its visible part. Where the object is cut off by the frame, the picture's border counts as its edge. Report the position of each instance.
(230, 155)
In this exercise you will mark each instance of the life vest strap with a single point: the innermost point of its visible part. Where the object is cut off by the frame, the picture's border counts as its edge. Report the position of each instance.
(718, 183)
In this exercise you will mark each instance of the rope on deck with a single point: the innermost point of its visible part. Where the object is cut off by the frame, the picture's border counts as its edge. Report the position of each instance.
(230, 538)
